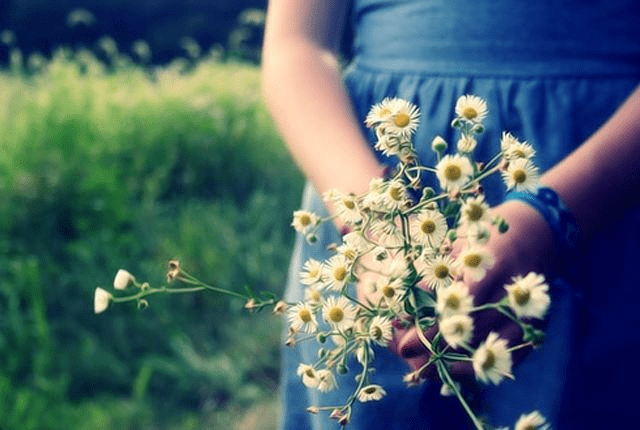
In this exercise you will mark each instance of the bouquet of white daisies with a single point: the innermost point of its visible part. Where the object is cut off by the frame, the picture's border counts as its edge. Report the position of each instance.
(411, 250)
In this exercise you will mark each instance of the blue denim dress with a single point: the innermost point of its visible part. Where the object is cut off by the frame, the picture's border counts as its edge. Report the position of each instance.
(551, 72)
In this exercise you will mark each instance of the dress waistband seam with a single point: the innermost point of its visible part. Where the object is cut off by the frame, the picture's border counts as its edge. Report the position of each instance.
(363, 65)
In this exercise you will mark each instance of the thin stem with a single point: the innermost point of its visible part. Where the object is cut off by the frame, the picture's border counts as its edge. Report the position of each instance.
(449, 381)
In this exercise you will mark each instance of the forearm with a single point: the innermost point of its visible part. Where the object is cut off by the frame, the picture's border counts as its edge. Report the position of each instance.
(602, 177)
(305, 94)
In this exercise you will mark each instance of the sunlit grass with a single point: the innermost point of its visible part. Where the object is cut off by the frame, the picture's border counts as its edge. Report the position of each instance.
(109, 164)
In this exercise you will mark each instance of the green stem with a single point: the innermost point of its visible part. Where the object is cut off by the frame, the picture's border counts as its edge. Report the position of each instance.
(449, 381)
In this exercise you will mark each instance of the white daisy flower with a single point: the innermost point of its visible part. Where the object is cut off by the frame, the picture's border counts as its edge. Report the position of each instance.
(313, 294)
(439, 271)
(492, 360)
(122, 279)
(311, 272)
(387, 234)
(474, 210)
(405, 118)
(456, 329)
(521, 174)
(364, 353)
(389, 145)
(391, 291)
(371, 392)
(336, 272)
(474, 262)
(373, 199)
(303, 221)
(532, 421)
(308, 374)
(471, 108)
(507, 140)
(380, 330)
(529, 296)
(477, 234)
(454, 300)
(353, 245)
(519, 150)
(397, 268)
(301, 318)
(339, 312)
(380, 112)
(467, 144)
(429, 228)
(395, 196)
(101, 300)
(326, 380)
(346, 206)
(453, 171)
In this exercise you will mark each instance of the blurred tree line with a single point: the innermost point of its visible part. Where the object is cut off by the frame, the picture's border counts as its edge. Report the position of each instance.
(165, 25)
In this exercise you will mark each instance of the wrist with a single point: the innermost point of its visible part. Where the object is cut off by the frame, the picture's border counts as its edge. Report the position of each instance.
(559, 220)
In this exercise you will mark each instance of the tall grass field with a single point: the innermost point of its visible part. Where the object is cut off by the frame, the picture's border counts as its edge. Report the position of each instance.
(108, 164)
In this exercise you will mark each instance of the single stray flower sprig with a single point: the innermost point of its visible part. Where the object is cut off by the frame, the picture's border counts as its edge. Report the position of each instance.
(140, 291)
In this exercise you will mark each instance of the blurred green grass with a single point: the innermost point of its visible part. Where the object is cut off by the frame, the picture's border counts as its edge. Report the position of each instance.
(113, 164)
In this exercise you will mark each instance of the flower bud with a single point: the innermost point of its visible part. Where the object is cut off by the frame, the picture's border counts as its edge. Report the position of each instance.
(251, 304)
(453, 235)
(122, 279)
(280, 307)
(143, 304)
(427, 193)
(477, 128)
(101, 300)
(438, 144)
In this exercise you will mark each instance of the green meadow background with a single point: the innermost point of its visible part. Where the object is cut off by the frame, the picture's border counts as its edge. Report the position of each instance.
(109, 162)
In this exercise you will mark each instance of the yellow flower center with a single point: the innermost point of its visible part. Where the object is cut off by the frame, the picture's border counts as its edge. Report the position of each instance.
(388, 291)
(441, 271)
(459, 329)
(452, 172)
(453, 302)
(340, 273)
(489, 361)
(376, 332)
(519, 176)
(521, 296)
(336, 315)
(369, 390)
(314, 295)
(472, 260)
(349, 204)
(401, 120)
(474, 212)
(305, 220)
(350, 254)
(519, 153)
(310, 373)
(305, 315)
(395, 193)
(428, 226)
(469, 113)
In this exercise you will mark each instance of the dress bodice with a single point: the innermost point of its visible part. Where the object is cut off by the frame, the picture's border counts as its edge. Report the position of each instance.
(512, 37)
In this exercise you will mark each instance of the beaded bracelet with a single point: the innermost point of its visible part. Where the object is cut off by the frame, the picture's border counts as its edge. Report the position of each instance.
(561, 222)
